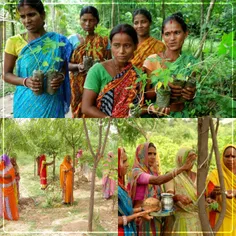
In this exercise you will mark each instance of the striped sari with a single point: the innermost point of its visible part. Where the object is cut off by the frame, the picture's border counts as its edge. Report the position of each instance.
(26, 104)
(117, 95)
(8, 198)
(145, 49)
(98, 51)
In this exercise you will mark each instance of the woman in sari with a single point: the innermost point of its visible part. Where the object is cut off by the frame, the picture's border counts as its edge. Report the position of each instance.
(184, 188)
(8, 199)
(37, 50)
(108, 183)
(228, 163)
(145, 182)
(94, 46)
(110, 87)
(66, 180)
(17, 175)
(126, 214)
(174, 32)
(42, 171)
(147, 45)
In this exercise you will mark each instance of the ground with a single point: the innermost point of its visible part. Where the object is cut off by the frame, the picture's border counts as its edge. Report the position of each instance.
(68, 220)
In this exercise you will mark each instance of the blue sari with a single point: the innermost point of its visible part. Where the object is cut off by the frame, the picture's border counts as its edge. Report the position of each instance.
(25, 103)
(125, 208)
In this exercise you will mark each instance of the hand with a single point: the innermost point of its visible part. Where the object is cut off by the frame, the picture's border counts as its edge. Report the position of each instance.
(183, 199)
(176, 90)
(145, 214)
(80, 67)
(188, 93)
(230, 193)
(159, 111)
(57, 80)
(34, 85)
(189, 161)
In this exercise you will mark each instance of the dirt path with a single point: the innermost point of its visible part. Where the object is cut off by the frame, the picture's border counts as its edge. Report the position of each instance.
(67, 220)
(6, 109)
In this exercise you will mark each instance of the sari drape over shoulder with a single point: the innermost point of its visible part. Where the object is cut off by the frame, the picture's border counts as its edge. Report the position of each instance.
(8, 198)
(186, 221)
(152, 227)
(145, 49)
(34, 56)
(66, 179)
(95, 48)
(228, 226)
(117, 95)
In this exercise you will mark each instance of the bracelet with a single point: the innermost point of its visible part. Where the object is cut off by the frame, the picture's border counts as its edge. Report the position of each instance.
(148, 109)
(24, 82)
(124, 220)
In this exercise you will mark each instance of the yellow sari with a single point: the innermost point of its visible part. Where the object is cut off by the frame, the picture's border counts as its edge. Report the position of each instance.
(228, 226)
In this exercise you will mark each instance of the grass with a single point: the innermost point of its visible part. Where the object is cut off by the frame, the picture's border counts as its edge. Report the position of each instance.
(8, 89)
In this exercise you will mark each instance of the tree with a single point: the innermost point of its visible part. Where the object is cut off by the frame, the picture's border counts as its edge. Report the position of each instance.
(97, 155)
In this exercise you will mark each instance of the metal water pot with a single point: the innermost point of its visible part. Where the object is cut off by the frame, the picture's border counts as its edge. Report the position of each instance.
(167, 201)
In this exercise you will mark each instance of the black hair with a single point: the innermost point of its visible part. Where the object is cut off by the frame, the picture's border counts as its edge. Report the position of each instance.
(36, 4)
(151, 145)
(176, 17)
(127, 29)
(90, 10)
(144, 12)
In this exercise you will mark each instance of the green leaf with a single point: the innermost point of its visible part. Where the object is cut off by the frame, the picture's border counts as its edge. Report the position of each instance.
(45, 63)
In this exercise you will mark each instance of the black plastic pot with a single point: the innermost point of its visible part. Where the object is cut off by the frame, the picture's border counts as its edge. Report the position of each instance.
(50, 76)
(163, 97)
(88, 62)
(38, 75)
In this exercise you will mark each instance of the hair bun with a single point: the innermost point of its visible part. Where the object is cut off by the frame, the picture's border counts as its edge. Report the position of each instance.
(178, 14)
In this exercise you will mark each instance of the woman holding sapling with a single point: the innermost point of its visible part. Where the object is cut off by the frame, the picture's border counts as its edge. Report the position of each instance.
(179, 64)
(111, 86)
(35, 53)
(87, 50)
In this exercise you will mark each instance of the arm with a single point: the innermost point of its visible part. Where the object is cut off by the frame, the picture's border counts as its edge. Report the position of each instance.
(89, 105)
(76, 67)
(9, 77)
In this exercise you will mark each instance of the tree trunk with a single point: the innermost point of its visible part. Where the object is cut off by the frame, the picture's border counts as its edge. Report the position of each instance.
(204, 36)
(203, 130)
(73, 176)
(113, 14)
(221, 178)
(54, 166)
(91, 201)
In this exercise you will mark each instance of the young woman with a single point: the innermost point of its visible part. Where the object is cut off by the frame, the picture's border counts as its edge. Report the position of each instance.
(32, 51)
(92, 45)
(228, 163)
(147, 45)
(174, 32)
(145, 182)
(66, 179)
(111, 86)
(126, 214)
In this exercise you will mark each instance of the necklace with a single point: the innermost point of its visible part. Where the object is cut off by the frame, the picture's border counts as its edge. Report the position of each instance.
(116, 68)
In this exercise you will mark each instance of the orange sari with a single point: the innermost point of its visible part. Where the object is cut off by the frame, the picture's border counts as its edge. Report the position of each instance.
(95, 48)
(145, 49)
(8, 199)
(66, 179)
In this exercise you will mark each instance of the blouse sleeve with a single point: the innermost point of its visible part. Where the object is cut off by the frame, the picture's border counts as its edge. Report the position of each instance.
(152, 64)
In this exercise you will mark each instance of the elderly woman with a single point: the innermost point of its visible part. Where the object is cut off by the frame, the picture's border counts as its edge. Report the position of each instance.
(8, 199)
(183, 186)
(126, 213)
(145, 182)
(66, 180)
(228, 163)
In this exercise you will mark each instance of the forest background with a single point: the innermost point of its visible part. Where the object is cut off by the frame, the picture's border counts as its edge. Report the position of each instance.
(212, 39)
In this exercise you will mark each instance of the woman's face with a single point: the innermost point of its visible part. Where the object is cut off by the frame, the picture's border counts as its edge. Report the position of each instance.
(229, 158)
(88, 22)
(174, 35)
(151, 156)
(124, 165)
(31, 19)
(122, 47)
(68, 159)
(141, 25)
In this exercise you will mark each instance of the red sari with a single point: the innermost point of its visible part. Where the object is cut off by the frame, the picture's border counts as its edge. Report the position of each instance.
(43, 171)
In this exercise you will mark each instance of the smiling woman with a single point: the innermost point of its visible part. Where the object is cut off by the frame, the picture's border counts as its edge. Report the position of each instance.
(33, 59)
(110, 87)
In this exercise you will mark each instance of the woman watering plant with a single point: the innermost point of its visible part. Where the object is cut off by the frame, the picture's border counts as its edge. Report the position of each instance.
(35, 53)
(111, 87)
(171, 70)
(87, 50)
